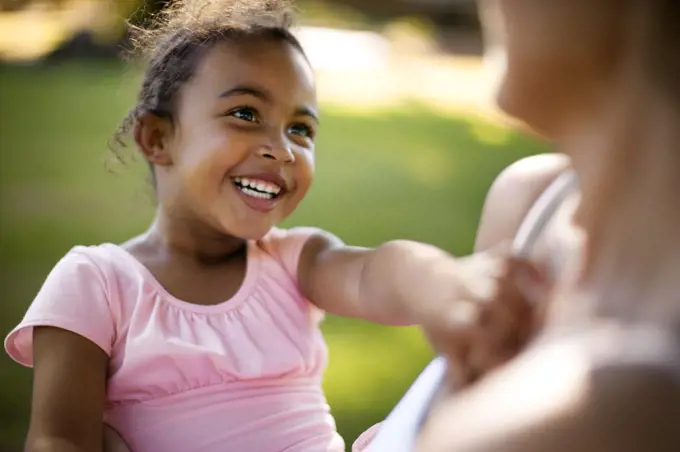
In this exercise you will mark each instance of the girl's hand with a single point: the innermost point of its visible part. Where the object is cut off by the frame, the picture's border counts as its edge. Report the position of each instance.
(487, 316)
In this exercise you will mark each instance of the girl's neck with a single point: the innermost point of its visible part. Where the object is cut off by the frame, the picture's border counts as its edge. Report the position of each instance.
(191, 239)
(628, 160)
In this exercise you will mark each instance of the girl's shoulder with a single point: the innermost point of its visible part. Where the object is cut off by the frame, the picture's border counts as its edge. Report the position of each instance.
(114, 265)
(86, 292)
(285, 245)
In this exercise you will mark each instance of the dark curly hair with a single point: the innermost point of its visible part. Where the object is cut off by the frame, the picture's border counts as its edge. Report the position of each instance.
(181, 34)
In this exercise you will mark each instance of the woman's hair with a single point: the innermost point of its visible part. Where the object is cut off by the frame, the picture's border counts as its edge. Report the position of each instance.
(181, 34)
(662, 42)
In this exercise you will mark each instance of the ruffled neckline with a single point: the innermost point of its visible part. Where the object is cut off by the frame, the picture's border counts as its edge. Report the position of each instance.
(252, 269)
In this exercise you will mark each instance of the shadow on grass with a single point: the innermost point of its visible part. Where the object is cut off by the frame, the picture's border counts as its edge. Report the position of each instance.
(406, 173)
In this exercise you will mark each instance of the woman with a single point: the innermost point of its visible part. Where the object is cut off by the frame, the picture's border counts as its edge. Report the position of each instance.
(601, 79)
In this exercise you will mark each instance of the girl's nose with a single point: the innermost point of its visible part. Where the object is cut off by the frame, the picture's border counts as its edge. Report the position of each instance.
(279, 152)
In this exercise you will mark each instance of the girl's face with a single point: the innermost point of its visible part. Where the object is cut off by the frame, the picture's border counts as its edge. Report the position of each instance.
(240, 156)
(556, 52)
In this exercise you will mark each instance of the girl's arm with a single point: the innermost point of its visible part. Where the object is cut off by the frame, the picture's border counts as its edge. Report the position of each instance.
(69, 390)
(384, 285)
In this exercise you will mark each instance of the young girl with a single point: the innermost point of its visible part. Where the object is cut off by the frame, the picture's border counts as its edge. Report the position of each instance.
(202, 334)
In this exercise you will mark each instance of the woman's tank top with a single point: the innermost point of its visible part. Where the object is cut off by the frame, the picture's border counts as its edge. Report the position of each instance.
(399, 430)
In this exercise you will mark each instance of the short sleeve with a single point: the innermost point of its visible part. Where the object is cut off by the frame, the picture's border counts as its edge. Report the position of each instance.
(287, 244)
(73, 298)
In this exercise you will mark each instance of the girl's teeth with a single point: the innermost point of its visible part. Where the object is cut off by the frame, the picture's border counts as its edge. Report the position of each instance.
(261, 186)
(257, 194)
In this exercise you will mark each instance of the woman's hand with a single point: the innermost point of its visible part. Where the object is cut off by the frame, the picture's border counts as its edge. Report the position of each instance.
(486, 315)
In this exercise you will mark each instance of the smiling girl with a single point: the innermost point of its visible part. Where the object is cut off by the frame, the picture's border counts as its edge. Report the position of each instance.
(202, 333)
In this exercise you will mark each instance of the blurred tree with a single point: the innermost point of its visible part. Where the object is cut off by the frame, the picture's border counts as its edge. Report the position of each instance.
(444, 12)
(140, 10)
(440, 12)
(13, 5)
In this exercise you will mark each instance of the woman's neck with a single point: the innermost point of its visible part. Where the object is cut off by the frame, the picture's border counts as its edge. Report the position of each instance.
(628, 161)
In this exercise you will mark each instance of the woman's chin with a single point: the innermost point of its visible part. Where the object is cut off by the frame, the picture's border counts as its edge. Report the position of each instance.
(520, 115)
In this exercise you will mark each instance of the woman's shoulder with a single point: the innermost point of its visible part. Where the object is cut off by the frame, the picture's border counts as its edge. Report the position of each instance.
(513, 193)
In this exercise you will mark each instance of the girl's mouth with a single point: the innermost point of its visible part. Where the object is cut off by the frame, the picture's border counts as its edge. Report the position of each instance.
(258, 188)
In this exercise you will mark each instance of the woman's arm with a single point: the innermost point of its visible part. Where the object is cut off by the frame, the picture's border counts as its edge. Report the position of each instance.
(69, 388)
(561, 398)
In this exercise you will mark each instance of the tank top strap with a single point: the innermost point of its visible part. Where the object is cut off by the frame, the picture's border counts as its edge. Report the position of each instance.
(541, 212)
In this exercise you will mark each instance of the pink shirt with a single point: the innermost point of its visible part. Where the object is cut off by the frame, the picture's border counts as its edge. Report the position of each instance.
(243, 375)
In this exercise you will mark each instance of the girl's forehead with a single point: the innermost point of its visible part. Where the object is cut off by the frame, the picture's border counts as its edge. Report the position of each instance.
(274, 65)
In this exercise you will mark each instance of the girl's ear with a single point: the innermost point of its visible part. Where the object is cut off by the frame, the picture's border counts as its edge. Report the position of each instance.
(153, 136)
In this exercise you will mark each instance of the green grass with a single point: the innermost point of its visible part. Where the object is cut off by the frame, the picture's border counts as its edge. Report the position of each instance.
(406, 173)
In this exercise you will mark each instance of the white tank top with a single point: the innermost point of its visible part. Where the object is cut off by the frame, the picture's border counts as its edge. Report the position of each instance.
(399, 431)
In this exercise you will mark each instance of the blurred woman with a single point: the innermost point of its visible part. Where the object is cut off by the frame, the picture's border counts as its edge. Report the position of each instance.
(601, 79)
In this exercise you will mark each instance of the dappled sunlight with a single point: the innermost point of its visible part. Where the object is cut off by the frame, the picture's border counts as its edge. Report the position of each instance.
(344, 50)
(361, 70)
(444, 83)
(29, 34)
(25, 36)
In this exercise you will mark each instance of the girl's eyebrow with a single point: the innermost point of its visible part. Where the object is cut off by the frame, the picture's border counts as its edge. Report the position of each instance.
(264, 95)
(306, 111)
(241, 90)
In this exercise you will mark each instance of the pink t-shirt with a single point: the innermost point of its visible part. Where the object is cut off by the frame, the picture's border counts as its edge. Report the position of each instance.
(243, 375)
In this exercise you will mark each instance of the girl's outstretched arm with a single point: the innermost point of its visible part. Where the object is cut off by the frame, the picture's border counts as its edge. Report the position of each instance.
(69, 389)
(391, 284)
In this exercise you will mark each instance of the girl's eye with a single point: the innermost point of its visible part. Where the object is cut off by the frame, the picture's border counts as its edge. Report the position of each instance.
(302, 130)
(245, 114)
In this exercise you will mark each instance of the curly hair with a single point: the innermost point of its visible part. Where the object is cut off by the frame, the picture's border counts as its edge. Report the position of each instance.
(181, 34)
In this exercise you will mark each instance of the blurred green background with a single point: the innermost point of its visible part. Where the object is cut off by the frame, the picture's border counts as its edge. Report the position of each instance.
(406, 171)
